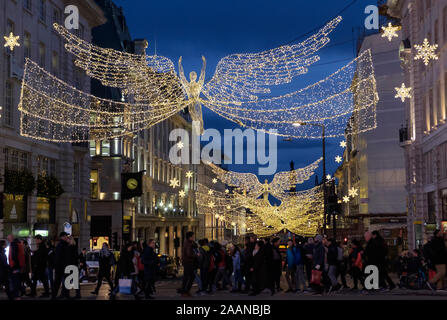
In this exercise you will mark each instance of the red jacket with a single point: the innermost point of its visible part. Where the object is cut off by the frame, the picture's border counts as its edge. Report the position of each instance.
(17, 256)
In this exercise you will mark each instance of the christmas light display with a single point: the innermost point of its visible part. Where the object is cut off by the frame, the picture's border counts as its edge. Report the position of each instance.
(403, 92)
(12, 41)
(155, 88)
(278, 187)
(390, 31)
(426, 52)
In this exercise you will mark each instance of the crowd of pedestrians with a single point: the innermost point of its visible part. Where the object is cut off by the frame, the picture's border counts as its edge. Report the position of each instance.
(316, 264)
(22, 269)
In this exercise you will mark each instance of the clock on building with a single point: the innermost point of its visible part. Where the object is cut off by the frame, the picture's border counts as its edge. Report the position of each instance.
(132, 183)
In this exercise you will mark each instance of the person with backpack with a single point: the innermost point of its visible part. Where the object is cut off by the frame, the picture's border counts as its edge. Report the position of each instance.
(300, 279)
(438, 259)
(106, 261)
(290, 266)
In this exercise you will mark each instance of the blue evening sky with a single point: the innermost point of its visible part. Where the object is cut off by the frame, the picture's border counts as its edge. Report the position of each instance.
(218, 28)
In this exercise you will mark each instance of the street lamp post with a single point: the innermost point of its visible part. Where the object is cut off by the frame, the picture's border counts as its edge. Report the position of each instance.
(323, 129)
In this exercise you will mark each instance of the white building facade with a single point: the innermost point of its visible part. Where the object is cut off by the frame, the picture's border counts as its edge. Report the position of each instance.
(424, 137)
(27, 215)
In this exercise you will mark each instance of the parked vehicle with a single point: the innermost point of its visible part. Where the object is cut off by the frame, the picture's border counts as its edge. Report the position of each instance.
(166, 267)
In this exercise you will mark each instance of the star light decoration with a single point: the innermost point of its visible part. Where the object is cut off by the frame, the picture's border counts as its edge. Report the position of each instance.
(214, 180)
(174, 182)
(189, 174)
(12, 41)
(353, 192)
(345, 199)
(180, 145)
(403, 92)
(343, 144)
(210, 192)
(338, 159)
(390, 31)
(426, 52)
(181, 193)
(328, 177)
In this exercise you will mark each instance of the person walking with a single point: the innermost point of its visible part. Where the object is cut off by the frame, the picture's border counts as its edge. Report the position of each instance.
(276, 264)
(342, 267)
(26, 280)
(269, 272)
(83, 263)
(17, 266)
(106, 261)
(204, 263)
(290, 266)
(308, 249)
(39, 266)
(149, 260)
(248, 263)
(300, 279)
(50, 263)
(188, 261)
(73, 260)
(356, 263)
(124, 268)
(382, 248)
(61, 257)
(438, 259)
(221, 263)
(237, 275)
(332, 261)
(318, 262)
(259, 269)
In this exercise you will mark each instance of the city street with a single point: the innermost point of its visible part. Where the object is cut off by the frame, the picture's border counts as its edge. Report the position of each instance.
(166, 290)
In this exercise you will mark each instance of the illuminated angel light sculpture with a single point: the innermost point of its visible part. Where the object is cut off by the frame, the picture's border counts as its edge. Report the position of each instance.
(236, 91)
(279, 187)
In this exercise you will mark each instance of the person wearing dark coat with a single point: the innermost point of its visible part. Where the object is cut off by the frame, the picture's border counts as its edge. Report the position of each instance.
(188, 260)
(106, 261)
(382, 250)
(61, 260)
(248, 262)
(39, 265)
(438, 258)
(149, 260)
(318, 259)
(83, 262)
(259, 269)
(276, 264)
(124, 267)
(356, 263)
(50, 263)
(267, 252)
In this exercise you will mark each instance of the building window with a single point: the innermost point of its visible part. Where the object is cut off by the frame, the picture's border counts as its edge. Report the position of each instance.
(94, 184)
(42, 55)
(26, 46)
(55, 63)
(27, 4)
(105, 148)
(42, 10)
(8, 110)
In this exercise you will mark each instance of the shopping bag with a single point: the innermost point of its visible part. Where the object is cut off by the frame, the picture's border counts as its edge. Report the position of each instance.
(316, 277)
(431, 274)
(125, 286)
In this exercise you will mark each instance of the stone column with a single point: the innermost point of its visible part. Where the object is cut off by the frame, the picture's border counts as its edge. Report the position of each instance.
(162, 239)
(171, 240)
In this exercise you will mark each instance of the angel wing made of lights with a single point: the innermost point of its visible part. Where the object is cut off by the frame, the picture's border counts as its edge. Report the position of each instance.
(154, 91)
(279, 187)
